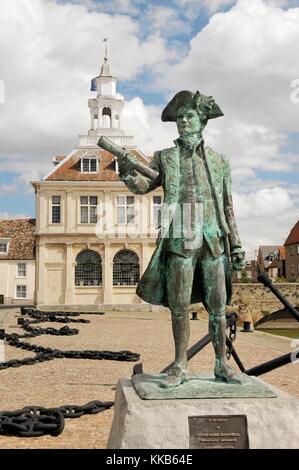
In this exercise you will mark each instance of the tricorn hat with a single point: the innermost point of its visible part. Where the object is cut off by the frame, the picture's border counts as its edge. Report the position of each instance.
(204, 105)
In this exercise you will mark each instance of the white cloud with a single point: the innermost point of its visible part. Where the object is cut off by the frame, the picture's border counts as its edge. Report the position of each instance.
(192, 9)
(49, 53)
(144, 122)
(124, 7)
(264, 217)
(246, 58)
(267, 202)
(165, 20)
(7, 188)
(250, 147)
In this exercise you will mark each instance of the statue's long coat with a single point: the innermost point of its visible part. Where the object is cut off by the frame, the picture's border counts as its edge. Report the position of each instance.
(152, 285)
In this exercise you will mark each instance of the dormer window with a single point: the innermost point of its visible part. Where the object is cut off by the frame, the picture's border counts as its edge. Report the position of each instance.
(89, 165)
(4, 243)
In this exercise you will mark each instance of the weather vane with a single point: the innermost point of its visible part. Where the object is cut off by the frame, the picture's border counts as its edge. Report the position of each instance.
(105, 40)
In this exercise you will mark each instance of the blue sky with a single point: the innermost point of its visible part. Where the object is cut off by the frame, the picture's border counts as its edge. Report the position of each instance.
(243, 53)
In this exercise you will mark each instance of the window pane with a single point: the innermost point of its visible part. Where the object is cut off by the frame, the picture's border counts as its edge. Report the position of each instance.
(88, 271)
(21, 292)
(121, 200)
(125, 269)
(130, 200)
(3, 247)
(85, 164)
(56, 214)
(93, 165)
(56, 200)
(157, 199)
(84, 200)
(84, 215)
(130, 214)
(93, 215)
(93, 200)
(21, 269)
(121, 215)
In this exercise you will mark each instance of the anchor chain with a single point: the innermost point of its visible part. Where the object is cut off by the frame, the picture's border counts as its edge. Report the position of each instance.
(35, 421)
(48, 354)
(231, 338)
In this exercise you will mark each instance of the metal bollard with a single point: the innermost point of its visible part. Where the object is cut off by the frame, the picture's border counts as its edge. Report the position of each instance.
(194, 316)
(246, 327)
(2, 345)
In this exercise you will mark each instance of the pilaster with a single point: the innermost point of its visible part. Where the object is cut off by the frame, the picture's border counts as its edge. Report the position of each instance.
(108, 274)
(69, 274)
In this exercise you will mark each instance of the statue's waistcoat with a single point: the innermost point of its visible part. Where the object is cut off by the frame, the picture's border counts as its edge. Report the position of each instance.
(211, 179)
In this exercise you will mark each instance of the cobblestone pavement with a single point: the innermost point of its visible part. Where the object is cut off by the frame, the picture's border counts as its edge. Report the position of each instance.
(69, 381)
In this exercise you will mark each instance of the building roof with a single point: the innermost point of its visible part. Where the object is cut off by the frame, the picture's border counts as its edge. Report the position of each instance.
(293, 235)
(21, 233)
(68, 169)
(265, 250)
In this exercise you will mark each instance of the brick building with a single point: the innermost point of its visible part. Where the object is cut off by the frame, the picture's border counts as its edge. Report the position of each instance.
(17, 261)
(271, 260)
(292, 254)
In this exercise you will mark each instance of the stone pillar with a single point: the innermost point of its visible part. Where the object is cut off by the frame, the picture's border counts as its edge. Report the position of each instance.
(92, 119)
(113, 121)
(69, 274)
(43, 215)
(145, 257)
(100, 117)
(107, 274)
(70, 212)
(41, 274)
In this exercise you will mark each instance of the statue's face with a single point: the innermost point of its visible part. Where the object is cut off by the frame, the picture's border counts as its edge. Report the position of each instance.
(188, 122)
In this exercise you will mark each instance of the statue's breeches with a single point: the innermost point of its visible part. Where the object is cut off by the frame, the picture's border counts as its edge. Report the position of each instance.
(209, 280)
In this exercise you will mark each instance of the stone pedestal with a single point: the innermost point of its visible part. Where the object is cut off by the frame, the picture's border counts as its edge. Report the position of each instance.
(273, 422)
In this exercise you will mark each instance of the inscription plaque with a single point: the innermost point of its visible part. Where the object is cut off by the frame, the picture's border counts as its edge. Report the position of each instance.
(218, 432)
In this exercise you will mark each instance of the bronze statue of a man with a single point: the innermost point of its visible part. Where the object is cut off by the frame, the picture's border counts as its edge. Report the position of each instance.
(179, 273)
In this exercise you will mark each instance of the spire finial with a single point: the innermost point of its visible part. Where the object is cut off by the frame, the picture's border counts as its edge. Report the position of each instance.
(105, 40)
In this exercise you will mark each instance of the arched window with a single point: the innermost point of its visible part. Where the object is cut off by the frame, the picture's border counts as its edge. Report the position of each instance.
(88, 271)
(106, 113)
(125, 269)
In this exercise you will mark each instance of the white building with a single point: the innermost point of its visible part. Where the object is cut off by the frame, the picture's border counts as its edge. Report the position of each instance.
(94, 238)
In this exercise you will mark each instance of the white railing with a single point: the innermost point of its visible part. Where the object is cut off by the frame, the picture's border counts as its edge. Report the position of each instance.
(91, 141)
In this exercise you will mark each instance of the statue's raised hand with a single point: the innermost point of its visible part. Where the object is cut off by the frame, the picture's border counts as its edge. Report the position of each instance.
(238, 259)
